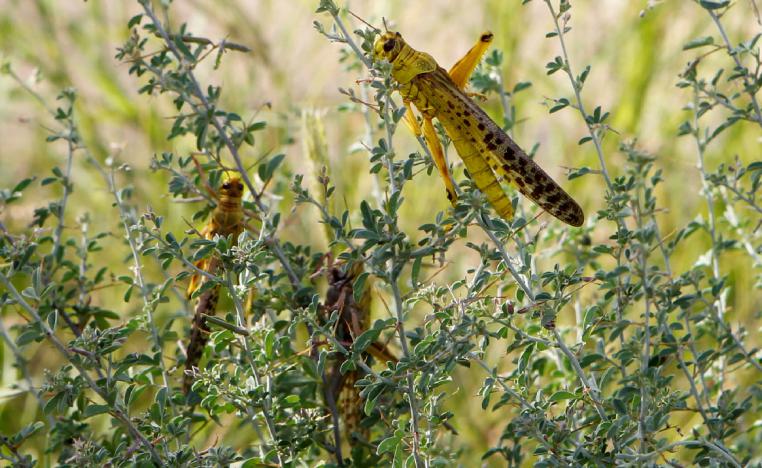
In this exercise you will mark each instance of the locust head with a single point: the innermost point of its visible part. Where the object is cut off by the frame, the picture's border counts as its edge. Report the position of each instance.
(407, 63)
(388, 46)
(232, 188)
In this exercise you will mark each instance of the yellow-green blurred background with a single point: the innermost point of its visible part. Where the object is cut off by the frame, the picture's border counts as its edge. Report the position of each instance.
(635, 52)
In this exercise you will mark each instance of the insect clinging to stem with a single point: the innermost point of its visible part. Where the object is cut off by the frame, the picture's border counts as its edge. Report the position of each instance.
(487, 151)
(226, 220)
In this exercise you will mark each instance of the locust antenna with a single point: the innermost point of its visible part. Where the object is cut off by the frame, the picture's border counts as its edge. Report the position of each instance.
(364, 22)
(385, 26)
(227, 171)
(260, 159)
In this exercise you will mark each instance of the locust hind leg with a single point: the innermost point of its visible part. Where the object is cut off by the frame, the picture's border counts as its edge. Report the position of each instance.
(435, 147)
(410, 120)
(437, 153)
(461, 71)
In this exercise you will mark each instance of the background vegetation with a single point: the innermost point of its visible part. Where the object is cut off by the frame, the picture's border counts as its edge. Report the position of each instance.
(632, 340)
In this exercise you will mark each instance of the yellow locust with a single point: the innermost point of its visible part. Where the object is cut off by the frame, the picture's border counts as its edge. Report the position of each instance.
(486, 150)
(226, 220)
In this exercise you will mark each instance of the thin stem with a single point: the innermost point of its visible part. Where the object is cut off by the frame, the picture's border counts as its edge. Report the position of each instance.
(392, 280)
(579, 105)
(719, 304)
(595, 392)
(349, 41)
(692, 381)
(389, 156)
(412, 401)
(646, 351)
(747, 86)
(695, 353)
(148, 303)
(578, 97)
(732, 218)
(70, 130)
(750, 202)
(268, 403)
(32, 92)
(507, 261)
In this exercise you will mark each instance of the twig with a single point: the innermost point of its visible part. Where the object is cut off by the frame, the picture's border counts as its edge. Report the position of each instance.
(268, 404)
(734, 54)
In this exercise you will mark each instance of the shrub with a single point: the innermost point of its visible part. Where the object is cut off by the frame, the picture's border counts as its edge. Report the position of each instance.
(619, 342)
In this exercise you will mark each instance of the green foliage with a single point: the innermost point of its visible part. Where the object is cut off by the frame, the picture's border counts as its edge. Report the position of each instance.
(653, 337)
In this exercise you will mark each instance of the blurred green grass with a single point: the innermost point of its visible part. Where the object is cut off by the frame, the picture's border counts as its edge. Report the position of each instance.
(635, 62)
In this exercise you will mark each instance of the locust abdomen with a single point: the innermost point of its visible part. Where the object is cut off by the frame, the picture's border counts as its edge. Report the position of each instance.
(487, 151)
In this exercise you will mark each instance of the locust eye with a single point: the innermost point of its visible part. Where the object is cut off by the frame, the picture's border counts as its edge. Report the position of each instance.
(226, 185)
(389, 45)
(240, 186)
